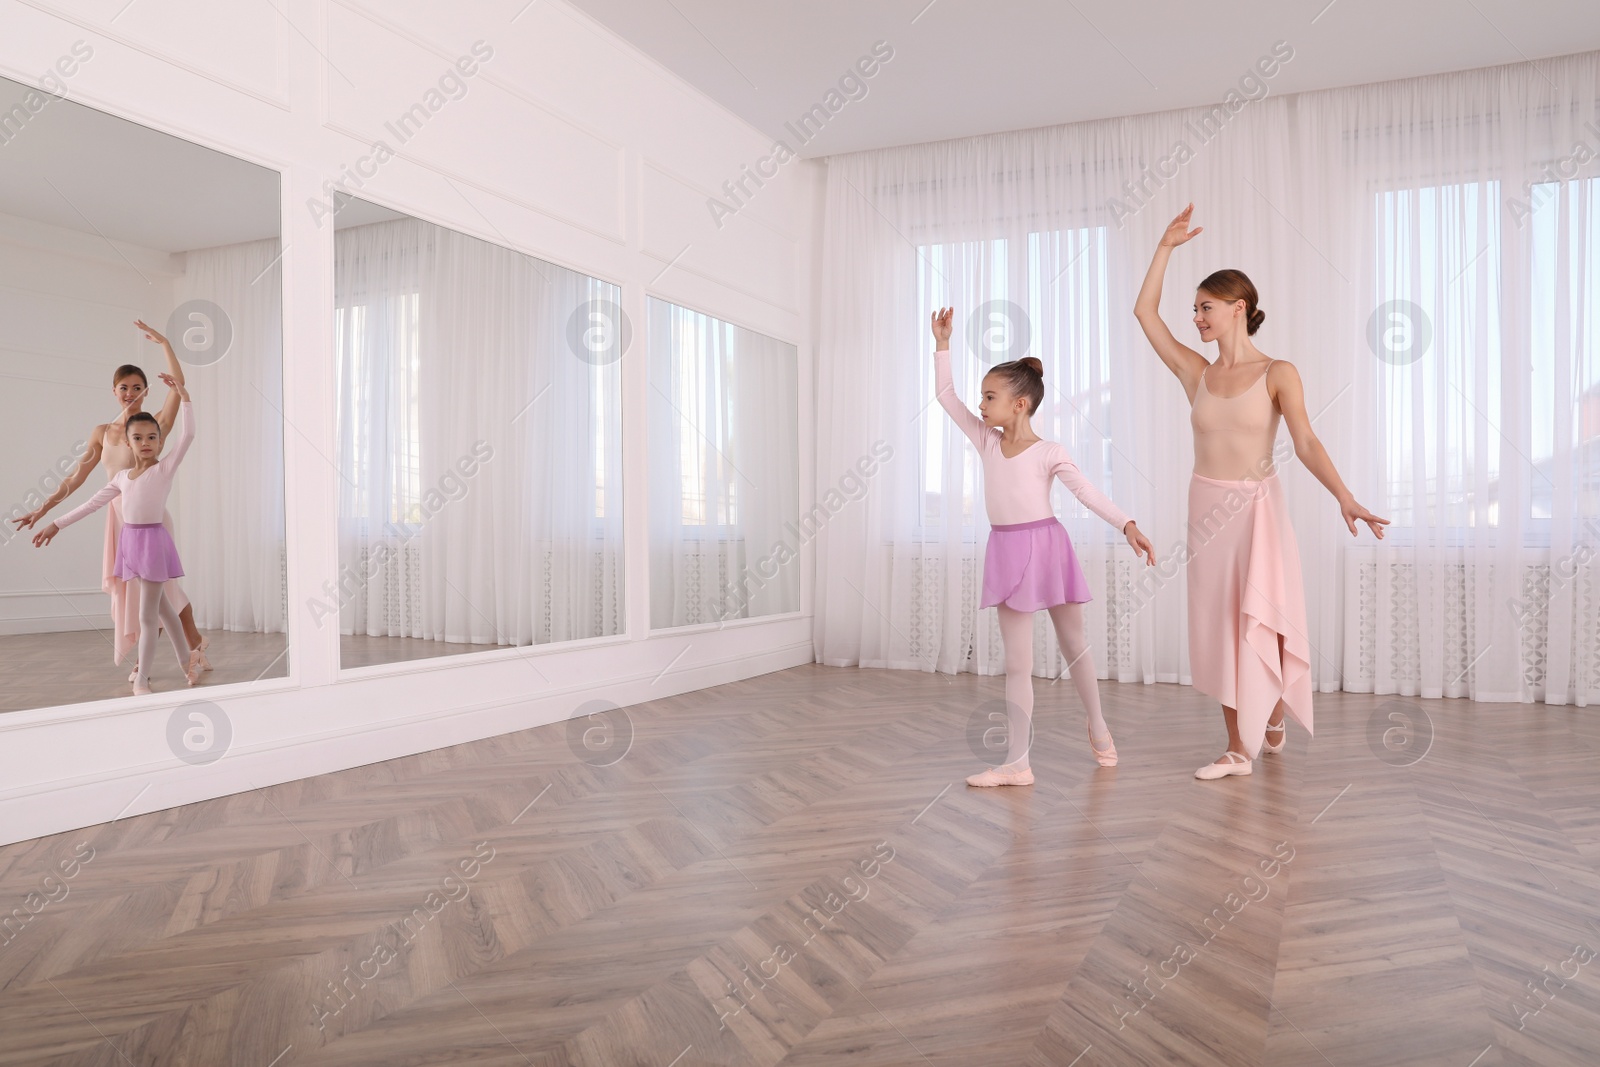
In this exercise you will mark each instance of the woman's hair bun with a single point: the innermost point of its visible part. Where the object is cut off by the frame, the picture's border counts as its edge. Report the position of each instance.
(1257, 317)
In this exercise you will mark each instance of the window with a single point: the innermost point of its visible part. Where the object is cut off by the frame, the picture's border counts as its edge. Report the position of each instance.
(384, 431)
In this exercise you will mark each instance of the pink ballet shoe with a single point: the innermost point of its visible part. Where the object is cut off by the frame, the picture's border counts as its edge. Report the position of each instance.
(1001, 776)
(1280, 729)
(1107, 757)
(141, 688)
(1241, 765)
(192, 674)
(133, 675)
(197, 655)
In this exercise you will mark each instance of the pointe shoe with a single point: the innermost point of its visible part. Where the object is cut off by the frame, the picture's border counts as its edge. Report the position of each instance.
(1000, 776)
(1241, 765)
(1282, 729)
(1107, 757)
(197, 655)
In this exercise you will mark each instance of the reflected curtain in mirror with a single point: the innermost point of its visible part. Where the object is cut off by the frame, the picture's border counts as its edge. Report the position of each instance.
(476, 445)
(724, 470)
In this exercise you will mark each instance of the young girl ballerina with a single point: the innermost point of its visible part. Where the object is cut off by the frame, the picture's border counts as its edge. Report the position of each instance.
(1029, 564)
(1247, 615)
(146, 556)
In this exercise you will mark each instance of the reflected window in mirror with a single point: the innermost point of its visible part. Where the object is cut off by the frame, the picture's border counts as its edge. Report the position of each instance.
(126, 255)
(479, 394)
(725, 537)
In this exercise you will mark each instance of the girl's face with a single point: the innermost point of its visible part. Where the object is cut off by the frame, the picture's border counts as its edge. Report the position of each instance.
(999, 403)
(145, 438)
(129, 391)
(1213, 316)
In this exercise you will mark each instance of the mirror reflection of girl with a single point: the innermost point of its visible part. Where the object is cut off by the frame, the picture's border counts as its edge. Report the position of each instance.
(146, 557)
(109, 445)
(1029, 564)
(1248, 644)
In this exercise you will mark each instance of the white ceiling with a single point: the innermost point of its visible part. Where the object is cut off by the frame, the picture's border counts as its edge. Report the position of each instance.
(961, 67)
(72, 166)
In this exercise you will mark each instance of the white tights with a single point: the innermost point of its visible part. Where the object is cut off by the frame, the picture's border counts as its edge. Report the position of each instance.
(155, 612)
(1016, 633)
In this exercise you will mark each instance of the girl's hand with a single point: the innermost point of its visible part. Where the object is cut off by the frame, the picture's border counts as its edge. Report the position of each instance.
(1354, 512)
(1141, 544)
(175, 385)
(150, 331)
(1178, 229)
(942, 327)
(26, 522)
(43, 537)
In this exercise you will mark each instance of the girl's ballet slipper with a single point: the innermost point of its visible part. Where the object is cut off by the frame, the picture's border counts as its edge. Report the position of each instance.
(1106, 756)
(197, 655)
(141, 688)
(1002, 776)
(1280, 729)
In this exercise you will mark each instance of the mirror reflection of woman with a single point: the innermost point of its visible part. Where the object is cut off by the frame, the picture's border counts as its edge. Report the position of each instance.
(1248, 646)
(108, 445)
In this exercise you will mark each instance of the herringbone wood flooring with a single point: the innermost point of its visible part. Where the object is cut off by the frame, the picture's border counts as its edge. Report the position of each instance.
(790, 870)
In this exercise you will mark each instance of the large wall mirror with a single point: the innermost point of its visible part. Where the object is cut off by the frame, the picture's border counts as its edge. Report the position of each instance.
(127, 254)
(480, 444)
(725, 529)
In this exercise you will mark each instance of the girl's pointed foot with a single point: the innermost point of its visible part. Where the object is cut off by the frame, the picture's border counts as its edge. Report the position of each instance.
(1105, 750)
(1005, 774)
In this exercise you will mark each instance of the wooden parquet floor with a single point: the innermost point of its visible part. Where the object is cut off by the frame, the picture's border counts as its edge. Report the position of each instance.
(790, 870)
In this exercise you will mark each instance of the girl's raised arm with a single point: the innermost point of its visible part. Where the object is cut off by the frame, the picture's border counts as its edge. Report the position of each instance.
(944, 385)
(169, 407)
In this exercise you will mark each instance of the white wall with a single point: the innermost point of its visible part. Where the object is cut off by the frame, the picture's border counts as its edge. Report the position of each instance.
(67, 305)
(569, 145)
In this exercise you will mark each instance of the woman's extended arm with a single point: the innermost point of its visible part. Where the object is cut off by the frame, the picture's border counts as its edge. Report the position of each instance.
(69, 485)
(1290, 395)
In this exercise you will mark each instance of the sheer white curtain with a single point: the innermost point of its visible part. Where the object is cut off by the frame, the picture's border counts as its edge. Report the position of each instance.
(1481, 448)
(477, 443)
(228, 501)
(724, 470)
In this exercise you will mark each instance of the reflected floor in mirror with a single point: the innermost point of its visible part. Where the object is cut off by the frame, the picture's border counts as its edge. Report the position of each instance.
(789, 869)
(362, 650)
(45, 670)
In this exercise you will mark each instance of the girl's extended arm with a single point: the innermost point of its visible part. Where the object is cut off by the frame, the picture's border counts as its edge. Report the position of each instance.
(94, 503)
(1092, 498)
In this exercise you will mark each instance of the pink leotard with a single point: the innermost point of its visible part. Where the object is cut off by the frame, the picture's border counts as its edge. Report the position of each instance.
(144, 499)
(1017, 488)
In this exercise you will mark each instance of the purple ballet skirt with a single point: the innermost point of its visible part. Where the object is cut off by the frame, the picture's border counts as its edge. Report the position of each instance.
(145, 550)
(1030, 566)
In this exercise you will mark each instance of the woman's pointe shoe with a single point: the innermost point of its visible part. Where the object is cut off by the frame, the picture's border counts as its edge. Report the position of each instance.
(1004, 774)
(1106, 756)
(1282, 731)
(197, 655)
(1239, 765)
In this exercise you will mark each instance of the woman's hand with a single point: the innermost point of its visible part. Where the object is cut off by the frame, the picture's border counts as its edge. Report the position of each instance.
(1141, 544)
(175, 385)
(1178, 229)
(1354, 513)
(942, 327)
(26, 522)
(152, 333)
(43, 537)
